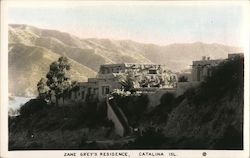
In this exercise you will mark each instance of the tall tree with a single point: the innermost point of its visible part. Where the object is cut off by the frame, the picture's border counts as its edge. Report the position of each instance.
(58, 80)
(43, 89)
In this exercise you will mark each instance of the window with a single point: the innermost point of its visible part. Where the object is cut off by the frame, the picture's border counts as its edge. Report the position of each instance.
(152, 72)
(105, 90)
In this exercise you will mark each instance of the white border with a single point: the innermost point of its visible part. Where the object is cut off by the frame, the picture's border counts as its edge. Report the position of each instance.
(133, 153)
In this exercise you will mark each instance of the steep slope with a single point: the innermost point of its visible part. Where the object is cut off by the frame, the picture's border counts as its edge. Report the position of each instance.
(27, 64)
(91, 53)
(98, 51)
(180, 56)
(209, 116)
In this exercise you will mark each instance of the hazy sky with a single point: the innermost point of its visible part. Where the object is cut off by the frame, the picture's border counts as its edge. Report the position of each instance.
(160, 24)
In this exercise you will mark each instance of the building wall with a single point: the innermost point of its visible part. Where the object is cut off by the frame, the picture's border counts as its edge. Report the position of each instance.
(203, 68)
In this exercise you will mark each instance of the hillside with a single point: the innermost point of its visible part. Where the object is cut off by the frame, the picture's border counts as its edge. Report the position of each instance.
(87, 54)
(27, 64)
(209, 116)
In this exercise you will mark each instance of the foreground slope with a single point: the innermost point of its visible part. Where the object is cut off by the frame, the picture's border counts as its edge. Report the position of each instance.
(209, 116)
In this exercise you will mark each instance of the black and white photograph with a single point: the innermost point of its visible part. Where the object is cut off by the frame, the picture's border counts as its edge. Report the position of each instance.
(126, 76)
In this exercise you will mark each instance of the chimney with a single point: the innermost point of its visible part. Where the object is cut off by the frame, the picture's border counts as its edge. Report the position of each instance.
(203, 57)
(208, 58)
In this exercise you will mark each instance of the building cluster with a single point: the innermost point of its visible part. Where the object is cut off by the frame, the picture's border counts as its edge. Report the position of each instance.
(201, 69)
(144, 78)
(147, 77)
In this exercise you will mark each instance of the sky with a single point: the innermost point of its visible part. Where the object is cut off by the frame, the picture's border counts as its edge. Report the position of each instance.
(159, 24)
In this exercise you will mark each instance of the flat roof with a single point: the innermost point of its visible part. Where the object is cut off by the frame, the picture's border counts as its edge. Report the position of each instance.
(126, 64)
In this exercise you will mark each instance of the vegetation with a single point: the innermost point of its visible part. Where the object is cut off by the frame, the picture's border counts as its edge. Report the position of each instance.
(133, 106)
(127, 82)
(43, 89)
(213, 112)
(182, 79)
(46, 125)
(227, 80)
(32, 107)
(151, 138)
(57, 81)
(159, 114)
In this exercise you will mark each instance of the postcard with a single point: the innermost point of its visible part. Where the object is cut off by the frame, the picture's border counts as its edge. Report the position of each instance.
(125, 79)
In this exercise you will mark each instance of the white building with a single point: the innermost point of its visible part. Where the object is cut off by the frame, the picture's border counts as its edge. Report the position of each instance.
(145, 77)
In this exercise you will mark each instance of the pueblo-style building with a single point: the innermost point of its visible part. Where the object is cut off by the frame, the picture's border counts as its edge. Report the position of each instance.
(201, 69)
(145, 77)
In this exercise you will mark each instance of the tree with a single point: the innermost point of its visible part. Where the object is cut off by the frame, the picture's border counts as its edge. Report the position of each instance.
(43, 89)
(127, 81)
(58, 80)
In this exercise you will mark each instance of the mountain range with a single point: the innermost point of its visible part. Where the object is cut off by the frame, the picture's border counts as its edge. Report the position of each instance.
(32, 49)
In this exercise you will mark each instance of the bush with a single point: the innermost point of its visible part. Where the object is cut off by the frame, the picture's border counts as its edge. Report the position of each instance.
(182, 79)
(133, 106)
(167, 98)
(227, 79)
(160, 113)
(150, 139)
(32, 106)
(83, 143)
(232, 139)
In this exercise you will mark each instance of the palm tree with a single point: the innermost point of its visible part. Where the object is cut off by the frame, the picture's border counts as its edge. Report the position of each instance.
(127, 82)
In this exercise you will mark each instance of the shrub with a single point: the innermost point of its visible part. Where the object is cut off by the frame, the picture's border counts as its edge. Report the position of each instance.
(160, 113)
(150, 139)
(227, 79)
(182, 79)
(32, 106)
(167, 98)
(232, 139)
(83, 143)
(133, 106)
